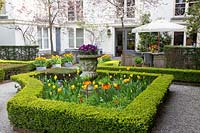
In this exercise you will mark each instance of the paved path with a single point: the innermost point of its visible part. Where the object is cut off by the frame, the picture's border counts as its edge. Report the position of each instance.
(181, 111)
(7, 90)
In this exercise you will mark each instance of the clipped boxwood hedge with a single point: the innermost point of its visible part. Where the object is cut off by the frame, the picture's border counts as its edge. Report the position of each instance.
(185, 75)
(27, 110)
(2, 75)
(110, 63)
(12, 67)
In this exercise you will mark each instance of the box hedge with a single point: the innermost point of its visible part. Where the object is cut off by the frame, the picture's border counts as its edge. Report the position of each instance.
(12, 67)
(185, 75)
(2, 75)
(27, 110)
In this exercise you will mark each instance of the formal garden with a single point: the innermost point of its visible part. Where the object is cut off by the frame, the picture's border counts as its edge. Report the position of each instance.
(96, 95)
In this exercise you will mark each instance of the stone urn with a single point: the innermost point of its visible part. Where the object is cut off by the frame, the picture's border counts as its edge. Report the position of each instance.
(88, 64)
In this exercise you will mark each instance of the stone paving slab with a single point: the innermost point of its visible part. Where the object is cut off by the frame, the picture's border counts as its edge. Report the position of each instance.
(181, 111)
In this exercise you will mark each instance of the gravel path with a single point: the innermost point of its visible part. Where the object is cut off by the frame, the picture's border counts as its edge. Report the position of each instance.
(7, 90)
(181, 111)
(179, 114)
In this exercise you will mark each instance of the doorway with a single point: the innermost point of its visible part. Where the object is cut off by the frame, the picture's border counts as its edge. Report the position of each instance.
(129, 43)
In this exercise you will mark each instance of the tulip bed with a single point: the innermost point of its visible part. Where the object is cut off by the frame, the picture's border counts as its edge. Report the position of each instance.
(29, 110)
(107, 90)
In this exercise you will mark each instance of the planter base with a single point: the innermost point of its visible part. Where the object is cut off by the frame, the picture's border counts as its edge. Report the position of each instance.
(89, 74)
(41, 68)
(56, 66)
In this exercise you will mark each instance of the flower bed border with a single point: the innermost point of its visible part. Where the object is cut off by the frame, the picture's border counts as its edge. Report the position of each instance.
(183, 75)
(27, 110)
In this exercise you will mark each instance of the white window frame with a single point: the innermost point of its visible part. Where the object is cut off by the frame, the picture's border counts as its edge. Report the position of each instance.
(75, 38)
(187, 3)
(42, 38)
(75, 10)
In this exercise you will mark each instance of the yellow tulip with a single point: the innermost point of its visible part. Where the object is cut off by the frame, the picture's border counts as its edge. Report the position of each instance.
(59, 90)
(96, 86)
(84, 87)
(49, 84)
(73, 87)
(55, 77)
(53, 86)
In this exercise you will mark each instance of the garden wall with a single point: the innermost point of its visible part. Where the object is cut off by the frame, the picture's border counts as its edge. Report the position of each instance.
(182, 57)
(18, 52)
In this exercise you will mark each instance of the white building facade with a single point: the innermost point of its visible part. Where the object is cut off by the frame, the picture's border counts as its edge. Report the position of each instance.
(88, 22)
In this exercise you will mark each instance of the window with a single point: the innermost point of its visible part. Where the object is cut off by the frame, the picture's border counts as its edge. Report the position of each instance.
(79, 38)
(71, 38)
(75, 10)
(130, 8)
(181, 6)
(178, 38)
(126, 6)
(43, 38)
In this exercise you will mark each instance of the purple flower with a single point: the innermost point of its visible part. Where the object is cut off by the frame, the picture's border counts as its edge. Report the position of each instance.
(88, 49)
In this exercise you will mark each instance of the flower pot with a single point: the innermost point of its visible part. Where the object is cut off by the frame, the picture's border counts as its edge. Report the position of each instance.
(138, 65)
(68, 64)
(41, 68)
(56, 66)
(88, 65)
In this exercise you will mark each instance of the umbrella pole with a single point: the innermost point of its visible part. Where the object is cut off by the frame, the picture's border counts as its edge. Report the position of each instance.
(158, 41)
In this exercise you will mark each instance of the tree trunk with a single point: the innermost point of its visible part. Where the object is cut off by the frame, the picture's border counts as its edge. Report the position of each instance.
(50, 26)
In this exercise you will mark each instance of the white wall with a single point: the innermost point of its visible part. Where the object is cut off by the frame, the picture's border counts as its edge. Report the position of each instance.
(7, 36)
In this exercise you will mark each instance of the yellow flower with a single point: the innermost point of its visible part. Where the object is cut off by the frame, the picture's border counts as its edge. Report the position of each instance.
(73, 87)
(96, 86)
(50, 93)
(78, 71)
(131, 75)
(124, 76)
(117, 86)
(93, 82)
(138, 77)
(126, 80)
(128, 68)
(53, 86)
(59, 90)
(84, 87)
(110, 76)
(55, 77)
(49, 84)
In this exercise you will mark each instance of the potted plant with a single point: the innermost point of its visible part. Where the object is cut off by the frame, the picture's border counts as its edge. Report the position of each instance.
(40, 63)
(138, 61)
(67, 59)
(55, 61)
(88, 55)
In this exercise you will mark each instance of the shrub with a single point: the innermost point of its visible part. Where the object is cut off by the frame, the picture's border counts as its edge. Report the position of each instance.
(28, 110)
(104, 58)
(110, 63)
(2, 75)
(138, 60)
(184, 75)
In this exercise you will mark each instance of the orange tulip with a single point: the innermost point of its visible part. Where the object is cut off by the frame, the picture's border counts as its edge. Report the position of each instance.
(105, 86)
